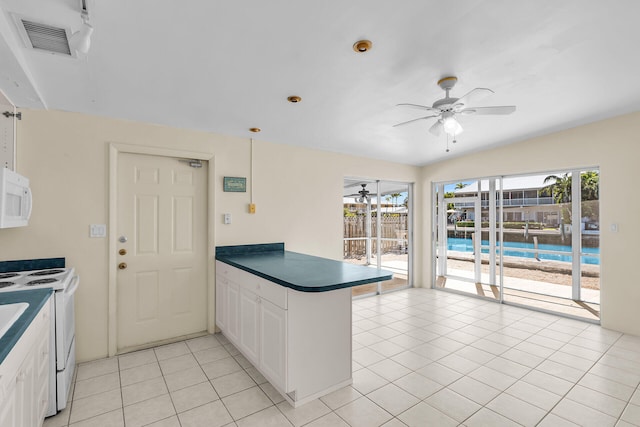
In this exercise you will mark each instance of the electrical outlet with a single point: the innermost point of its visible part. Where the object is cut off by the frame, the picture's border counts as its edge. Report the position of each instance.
(227, 218)
(252, 208)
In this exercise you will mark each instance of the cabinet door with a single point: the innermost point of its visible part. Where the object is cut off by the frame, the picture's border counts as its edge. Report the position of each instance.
(8, 408)
(221, 303)
(273, 336)
(25, 391)
(233, 312)
(43, 365)
(249, 325)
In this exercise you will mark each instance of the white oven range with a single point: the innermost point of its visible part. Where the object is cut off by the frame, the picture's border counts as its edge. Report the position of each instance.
(64, 282)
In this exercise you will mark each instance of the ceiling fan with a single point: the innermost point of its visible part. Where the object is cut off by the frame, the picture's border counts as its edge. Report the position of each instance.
(364, 194)
(361, 196)
(447, 108)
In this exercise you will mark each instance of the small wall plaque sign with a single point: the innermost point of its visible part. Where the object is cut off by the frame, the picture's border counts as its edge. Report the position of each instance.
(235, 184)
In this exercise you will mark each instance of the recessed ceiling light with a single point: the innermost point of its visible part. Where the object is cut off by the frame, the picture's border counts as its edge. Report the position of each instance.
(362, 46)
(294, 99)
(255, 130)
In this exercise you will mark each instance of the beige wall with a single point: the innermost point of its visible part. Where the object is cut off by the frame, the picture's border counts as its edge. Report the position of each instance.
(614, 146)
(298, 193)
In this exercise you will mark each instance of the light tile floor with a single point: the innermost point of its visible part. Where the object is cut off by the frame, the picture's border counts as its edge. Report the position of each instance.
(421, 357)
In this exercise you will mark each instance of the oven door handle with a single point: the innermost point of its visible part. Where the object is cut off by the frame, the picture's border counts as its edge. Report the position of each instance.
(73, 287)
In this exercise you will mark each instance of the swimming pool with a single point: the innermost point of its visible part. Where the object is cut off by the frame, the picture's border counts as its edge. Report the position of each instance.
(511, 249)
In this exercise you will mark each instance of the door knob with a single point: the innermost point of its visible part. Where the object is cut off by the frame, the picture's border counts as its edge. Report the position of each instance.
(122, 265)
(122, 251)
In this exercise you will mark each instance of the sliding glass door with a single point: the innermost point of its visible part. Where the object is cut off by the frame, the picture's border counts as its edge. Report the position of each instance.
(377, 230)
(531, 240)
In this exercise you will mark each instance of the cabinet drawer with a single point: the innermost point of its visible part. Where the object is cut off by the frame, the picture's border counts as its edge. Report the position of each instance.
(229, 272)
(270, 291)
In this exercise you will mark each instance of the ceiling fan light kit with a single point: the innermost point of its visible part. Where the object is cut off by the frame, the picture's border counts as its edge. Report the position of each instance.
(446, 109)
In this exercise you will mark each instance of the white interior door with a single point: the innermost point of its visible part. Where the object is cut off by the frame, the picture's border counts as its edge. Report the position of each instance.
(162, 253)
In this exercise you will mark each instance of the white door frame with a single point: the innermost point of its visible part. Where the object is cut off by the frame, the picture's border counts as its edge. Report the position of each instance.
(114, 150)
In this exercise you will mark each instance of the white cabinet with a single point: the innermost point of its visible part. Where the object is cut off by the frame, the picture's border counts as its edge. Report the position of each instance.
(233, 311)
(221, 302)
(249, 325)
(273, 336)
(299, 341)
(24, 375)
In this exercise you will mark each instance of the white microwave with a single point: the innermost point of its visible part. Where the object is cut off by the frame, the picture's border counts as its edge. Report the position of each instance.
(15, 199)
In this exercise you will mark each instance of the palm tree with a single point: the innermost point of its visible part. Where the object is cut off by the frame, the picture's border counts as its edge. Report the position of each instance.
(395, 196)
(590, 185)
(559, 189)
(460, 185)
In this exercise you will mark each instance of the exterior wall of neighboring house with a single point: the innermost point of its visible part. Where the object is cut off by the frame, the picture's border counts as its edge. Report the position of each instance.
(524, 204)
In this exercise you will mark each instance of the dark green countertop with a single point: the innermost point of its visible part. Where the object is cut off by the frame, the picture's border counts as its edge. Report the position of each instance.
(298, 271)
(36, 298)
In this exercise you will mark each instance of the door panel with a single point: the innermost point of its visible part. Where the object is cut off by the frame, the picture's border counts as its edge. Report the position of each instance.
(162, 289)
(147, 295)
(146, 216)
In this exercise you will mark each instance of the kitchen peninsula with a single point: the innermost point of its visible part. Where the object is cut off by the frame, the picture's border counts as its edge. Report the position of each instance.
(289, 314)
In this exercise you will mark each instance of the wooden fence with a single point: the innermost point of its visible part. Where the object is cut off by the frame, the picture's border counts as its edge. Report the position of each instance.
(393, 235)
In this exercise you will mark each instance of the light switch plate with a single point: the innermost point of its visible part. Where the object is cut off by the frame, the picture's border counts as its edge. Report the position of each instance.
(98, 230)
(227, 218)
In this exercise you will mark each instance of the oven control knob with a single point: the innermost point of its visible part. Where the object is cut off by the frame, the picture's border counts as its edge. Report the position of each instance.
(122, 251)
(122, 265)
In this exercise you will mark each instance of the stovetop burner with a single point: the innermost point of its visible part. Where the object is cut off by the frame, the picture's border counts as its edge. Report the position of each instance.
(8, 275)
(46, 273)
(6, 284)
(40, 282)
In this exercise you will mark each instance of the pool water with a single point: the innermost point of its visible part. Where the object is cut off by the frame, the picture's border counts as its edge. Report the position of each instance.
(511, 249)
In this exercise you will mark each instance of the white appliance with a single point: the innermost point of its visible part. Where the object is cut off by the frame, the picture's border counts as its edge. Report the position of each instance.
(64, 282)
(15, 199)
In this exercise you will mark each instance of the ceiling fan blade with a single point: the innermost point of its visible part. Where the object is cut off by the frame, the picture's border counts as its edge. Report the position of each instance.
(507, 109)
(421, 107)
(437, 128)
(473, 95)
(414, 120)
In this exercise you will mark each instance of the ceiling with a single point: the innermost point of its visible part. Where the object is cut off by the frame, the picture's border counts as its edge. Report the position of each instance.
(227, 66)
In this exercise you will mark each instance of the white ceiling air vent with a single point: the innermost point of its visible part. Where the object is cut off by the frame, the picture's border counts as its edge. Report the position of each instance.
(45, 37)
